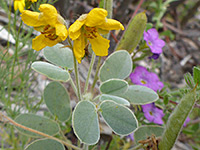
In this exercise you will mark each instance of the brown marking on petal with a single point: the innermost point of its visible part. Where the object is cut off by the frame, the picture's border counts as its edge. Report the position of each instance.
(49, 32)
(91, 32)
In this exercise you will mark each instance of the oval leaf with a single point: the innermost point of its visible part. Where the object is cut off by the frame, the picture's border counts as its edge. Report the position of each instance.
(38, 123)
(45, 144)
(120, 119)
(85, 123)
(59, 55)
(117, 65)
(116, 99)
(144, 132)
(51, 71)
(57, 100)
(133, 33)
(140, 95)
(114, 86)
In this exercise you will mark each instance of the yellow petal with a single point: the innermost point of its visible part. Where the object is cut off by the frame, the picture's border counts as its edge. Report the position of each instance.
(95, 17)
(38, 43)
(19, 5)
(48, 13)
(79, 46)
(32, 18)
(75, 29)
(61, 31)
(101, 31)
(41, 41)
(100, 45)
(111, 24)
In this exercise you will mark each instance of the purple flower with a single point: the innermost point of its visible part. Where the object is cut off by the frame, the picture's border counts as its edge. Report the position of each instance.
(186, 121)
(152, 39)
(141, 76)
(131, 136)
(152, 113)
(154, 56)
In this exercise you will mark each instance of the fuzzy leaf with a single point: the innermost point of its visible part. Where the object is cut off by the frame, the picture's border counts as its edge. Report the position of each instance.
(118, 117)
(59, 55)
(45, 144)
(114, 86)
(38, 123)
(57, 100)
(51, 71)
(133, 33)
(117, 65)
(85, 123)
(176, 121)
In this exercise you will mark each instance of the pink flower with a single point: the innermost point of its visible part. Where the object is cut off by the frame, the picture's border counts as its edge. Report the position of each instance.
(152, 113)
(141, 76)
(155, 44)
(186, 121)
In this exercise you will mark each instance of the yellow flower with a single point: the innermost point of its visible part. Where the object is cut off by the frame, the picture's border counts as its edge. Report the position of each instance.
(88, 27)
(49, 23)
(19, 4)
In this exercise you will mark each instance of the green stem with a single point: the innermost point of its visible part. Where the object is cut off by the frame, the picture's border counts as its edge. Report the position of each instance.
(76, 72)
(89, 71)
(96, 74)
(14, 61)
(109, 7)
(73, 86)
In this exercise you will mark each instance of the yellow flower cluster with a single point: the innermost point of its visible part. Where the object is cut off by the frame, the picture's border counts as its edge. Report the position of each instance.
(20, 4)
(87, 28)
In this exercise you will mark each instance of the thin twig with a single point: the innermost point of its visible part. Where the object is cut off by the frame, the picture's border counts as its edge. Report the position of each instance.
(38, 132)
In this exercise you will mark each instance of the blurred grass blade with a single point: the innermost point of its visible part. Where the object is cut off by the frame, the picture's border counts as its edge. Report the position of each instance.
(133, 33)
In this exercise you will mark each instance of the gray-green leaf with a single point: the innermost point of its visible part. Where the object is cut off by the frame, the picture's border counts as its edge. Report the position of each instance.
(38, 123)
(51, 71)
(118, 117)
(85, 123)
(45, 144)
(57, 100)
(116, 99)
(140, 95)
(117, 65)
(114, 86)
(59, 55)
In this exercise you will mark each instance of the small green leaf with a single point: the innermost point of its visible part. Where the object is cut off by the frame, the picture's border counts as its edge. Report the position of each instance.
(59, 55)
(133, 33)
(57, 100)
(144, 132)
(85, 123)
(116, 99)
(114, 86)
(140, 95)
(196, 75)
(113, 68)
(53, 72)
(45, 144)
(118, 117)
(176, 120)
(38, 123)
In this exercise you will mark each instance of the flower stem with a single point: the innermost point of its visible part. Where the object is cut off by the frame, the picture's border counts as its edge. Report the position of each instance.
(73, 86)
(38, 132)
(96, 74)
(89, 71)
(76, 72)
